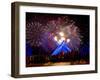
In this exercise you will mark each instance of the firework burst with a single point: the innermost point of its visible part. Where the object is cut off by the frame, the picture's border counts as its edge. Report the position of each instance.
(53, 32)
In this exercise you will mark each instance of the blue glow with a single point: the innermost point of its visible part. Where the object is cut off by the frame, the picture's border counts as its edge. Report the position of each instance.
(84, 50)
(28, 50)
(61, 48)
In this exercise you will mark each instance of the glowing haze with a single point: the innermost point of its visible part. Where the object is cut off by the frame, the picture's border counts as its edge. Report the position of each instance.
(53, 32)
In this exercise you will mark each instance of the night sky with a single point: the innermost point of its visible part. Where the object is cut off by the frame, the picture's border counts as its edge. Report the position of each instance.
(36, 38)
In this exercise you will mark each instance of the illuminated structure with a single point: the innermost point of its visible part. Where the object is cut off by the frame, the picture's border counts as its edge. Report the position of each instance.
(61, 48)
(62, 45)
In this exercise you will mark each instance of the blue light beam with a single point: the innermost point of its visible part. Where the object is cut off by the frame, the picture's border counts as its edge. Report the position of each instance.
(61, 48)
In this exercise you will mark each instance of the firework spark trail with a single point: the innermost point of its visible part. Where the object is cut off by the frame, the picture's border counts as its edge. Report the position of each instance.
(39, 34)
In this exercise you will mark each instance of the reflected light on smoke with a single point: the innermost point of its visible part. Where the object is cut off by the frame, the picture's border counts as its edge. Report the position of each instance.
(68, 40)
(61, 34)
(59, 41)
(55, 38)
